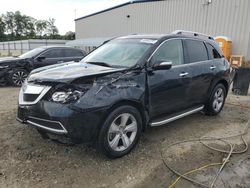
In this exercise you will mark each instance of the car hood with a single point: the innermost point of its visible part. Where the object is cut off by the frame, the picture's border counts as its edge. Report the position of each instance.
(67, 72)
(9, 59)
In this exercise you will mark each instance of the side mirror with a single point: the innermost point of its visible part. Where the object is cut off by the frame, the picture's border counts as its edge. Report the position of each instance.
(40, 58)
(162, 65)
(77, 60)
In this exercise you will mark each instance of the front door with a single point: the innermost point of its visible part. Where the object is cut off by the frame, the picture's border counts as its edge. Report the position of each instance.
(50, 57)
(168, 88)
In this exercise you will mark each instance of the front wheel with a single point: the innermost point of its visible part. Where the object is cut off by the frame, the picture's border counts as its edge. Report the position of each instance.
(120, 132)
(216, 100)
(18, 76)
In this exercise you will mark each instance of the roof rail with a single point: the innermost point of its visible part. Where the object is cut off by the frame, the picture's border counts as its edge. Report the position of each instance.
(196, 34)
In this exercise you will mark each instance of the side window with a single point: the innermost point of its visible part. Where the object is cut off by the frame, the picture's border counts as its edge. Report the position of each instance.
(72, 53)
(213, 53)
(196, 50)
(53, 53)
(170, 50)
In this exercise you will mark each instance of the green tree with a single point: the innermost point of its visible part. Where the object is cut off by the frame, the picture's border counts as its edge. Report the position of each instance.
(17, 26)
(41, 27)
(9, 23)
(70, 35)
(2, 29)
(29, 27)
(52, 30)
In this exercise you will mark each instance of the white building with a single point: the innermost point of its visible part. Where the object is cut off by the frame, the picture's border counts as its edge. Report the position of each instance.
(229, 18)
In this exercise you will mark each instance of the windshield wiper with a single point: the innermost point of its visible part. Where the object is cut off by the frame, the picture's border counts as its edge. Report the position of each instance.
(100, 63)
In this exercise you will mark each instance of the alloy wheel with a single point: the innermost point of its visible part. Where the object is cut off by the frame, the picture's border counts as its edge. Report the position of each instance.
(122, 132)
(19, 77)
(218, 99)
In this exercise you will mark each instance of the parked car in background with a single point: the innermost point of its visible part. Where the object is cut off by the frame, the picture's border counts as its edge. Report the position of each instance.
(14, 70)
(125, 86)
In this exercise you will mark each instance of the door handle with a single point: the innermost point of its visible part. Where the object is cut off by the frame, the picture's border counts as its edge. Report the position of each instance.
(183, 74)
(212, 67)
(60, 61)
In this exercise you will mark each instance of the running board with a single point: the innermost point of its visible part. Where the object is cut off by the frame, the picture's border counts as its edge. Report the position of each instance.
(158, 123)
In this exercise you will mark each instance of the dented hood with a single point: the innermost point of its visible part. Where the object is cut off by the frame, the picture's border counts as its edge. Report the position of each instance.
(6, 60)
(68, 72)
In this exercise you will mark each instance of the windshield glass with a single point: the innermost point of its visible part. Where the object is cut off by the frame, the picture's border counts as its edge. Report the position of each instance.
(32, 53)
(118, 53)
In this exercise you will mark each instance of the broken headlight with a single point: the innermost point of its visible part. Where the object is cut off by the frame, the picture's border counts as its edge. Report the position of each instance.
(4, 66)
(69, 93)
(66, 96)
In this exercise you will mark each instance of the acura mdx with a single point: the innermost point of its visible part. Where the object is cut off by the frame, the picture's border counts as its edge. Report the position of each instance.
(126, 85)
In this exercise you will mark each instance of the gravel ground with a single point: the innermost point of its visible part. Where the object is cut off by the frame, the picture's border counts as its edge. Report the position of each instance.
(29, 161)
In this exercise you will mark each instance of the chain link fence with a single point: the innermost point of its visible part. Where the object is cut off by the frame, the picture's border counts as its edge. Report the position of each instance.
(16, 48)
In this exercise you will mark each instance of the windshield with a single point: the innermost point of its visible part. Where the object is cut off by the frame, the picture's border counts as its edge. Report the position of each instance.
(118, 53)
(32, 53)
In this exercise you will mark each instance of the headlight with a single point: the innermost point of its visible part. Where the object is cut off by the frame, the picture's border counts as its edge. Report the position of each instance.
(69, 93)
(66, 97)
(4, 66)
(60, 96)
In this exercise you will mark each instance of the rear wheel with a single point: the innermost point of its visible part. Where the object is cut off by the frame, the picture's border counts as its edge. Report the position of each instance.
(216, 100)
(18, 76)
(120, 132)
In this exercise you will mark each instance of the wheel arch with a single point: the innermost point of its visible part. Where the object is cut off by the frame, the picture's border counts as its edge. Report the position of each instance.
(13, 69)
(137, 105)
(208, 109)
(224, 83)
(216, 82)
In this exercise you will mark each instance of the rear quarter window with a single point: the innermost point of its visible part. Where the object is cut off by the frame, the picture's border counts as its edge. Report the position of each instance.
(196, 51)
(72, 53)
(213, 53)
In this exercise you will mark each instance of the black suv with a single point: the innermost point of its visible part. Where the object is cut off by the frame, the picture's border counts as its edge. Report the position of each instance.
(126, 85)
(14, 70)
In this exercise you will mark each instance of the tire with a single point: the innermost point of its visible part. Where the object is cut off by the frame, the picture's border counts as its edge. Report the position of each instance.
(120, 132)
(216, 101)
(17, 77)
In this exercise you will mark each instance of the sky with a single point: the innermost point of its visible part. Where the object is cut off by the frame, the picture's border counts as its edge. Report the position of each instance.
(64, 11)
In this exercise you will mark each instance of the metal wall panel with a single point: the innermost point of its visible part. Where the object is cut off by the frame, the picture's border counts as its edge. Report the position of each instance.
(222, 17)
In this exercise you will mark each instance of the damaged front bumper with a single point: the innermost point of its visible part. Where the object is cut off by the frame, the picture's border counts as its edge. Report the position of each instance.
(3, 73)
(62, 120)
(57, 118)
(37, 109)
(81, 119)
(55, 127)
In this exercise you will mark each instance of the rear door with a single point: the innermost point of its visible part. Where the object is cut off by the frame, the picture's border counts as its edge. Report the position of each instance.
(216, 58)
(72, 54)
(168, 88)
(201, 68)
